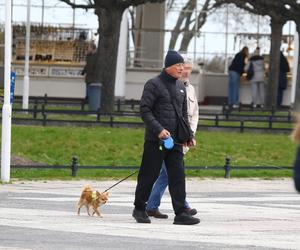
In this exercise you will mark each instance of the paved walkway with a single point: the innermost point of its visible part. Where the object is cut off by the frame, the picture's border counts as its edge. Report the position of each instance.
(235, 214)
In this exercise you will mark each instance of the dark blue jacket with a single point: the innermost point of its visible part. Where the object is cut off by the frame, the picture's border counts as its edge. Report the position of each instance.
(90, 68)
(238, 63)
(283, 69)
(156, 106)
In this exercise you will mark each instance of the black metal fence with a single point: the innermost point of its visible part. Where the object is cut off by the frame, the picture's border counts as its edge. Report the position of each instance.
(74, 167)
(53, 111)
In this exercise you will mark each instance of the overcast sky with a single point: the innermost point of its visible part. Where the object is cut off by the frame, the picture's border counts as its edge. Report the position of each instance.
(56, 12)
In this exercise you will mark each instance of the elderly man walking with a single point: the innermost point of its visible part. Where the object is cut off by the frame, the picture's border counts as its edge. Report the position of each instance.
(161, 183)
(158, 112)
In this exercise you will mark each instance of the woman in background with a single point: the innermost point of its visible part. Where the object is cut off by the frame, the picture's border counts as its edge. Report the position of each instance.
(258, 79)
(236, 69)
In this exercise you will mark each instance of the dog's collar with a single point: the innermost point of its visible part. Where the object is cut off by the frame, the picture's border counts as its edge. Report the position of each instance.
(94, 195)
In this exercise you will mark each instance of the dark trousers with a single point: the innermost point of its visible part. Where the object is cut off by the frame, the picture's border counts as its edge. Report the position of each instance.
(280, 96)
(297, 170)
(150, 169)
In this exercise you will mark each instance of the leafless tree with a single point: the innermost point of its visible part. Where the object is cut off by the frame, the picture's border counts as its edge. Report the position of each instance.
(109, 13)
(188, 24)
(170, 4)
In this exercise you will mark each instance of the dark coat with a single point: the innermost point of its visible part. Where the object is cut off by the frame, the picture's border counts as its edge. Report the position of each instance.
(297, 170)
(238, 63)
(284, 68)
(156, 106)
(90, 68)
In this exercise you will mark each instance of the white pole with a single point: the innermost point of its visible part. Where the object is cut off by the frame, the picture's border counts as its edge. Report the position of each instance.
(226, 42)
(6, 109)
(27, 53)
(43, 12)
(295, 67)
(257, 42)
(196, 31)
(121, 58)
(73, 21)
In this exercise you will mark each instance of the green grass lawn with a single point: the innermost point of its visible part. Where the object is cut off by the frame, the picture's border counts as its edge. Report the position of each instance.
(123, 147)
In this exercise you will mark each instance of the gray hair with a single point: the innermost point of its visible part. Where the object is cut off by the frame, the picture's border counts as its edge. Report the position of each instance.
(188, 60)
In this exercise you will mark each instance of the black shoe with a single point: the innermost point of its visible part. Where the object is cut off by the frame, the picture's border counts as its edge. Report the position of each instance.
(191, 211)
(185, 219)
(157, 214)
(140, 216)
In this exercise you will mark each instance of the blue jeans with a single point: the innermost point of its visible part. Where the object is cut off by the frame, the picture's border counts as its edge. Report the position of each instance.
(233, 88)
(158, 190)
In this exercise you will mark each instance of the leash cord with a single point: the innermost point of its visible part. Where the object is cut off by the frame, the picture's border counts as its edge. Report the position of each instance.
(121, 181)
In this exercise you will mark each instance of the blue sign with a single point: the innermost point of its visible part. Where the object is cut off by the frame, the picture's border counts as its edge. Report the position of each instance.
(12, 86)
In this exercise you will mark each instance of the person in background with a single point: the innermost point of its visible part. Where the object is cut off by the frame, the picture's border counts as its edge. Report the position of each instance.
(236, 69)
(296, 138)
(161, 183)
(258, 79)
(89, 69)
(284, 68)
(161, 122)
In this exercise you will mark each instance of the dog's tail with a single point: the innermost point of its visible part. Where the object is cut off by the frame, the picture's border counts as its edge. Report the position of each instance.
(87, 188)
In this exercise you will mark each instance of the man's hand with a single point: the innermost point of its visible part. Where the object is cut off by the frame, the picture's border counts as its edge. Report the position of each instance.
(164, 134)
(191, 143)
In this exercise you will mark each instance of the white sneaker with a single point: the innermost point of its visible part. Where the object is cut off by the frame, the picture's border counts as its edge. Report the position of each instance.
(235, 106)
(254, 106)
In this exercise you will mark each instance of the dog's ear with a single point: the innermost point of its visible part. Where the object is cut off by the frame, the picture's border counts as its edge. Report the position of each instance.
(106, 193)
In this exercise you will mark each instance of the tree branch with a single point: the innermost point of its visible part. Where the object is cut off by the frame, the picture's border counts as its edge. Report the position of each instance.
(82, 6)
(139, 2)
(271, 8)
(170, 4)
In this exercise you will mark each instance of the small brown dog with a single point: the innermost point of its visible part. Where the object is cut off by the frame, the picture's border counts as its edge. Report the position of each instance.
(90, 198)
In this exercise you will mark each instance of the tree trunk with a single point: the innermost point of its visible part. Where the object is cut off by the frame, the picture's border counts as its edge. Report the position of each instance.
(274, 60)
(188, 35)
(297, 96)
(109, 21)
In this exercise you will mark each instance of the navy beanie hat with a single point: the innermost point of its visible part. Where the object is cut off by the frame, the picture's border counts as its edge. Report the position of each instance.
(173, 57)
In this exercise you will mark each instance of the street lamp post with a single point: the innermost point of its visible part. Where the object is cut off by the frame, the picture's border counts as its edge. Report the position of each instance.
(6, 109)
(226, 41)
(295, 69)
(43, 12)
(27, 54)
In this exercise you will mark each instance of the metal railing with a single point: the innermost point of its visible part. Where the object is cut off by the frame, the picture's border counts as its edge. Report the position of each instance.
(74, 167)
(52, 111)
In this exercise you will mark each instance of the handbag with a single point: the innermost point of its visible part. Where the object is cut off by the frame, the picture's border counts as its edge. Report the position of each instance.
(184, 132)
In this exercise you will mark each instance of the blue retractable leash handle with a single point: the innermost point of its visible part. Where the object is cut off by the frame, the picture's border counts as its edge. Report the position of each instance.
(168, 142)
